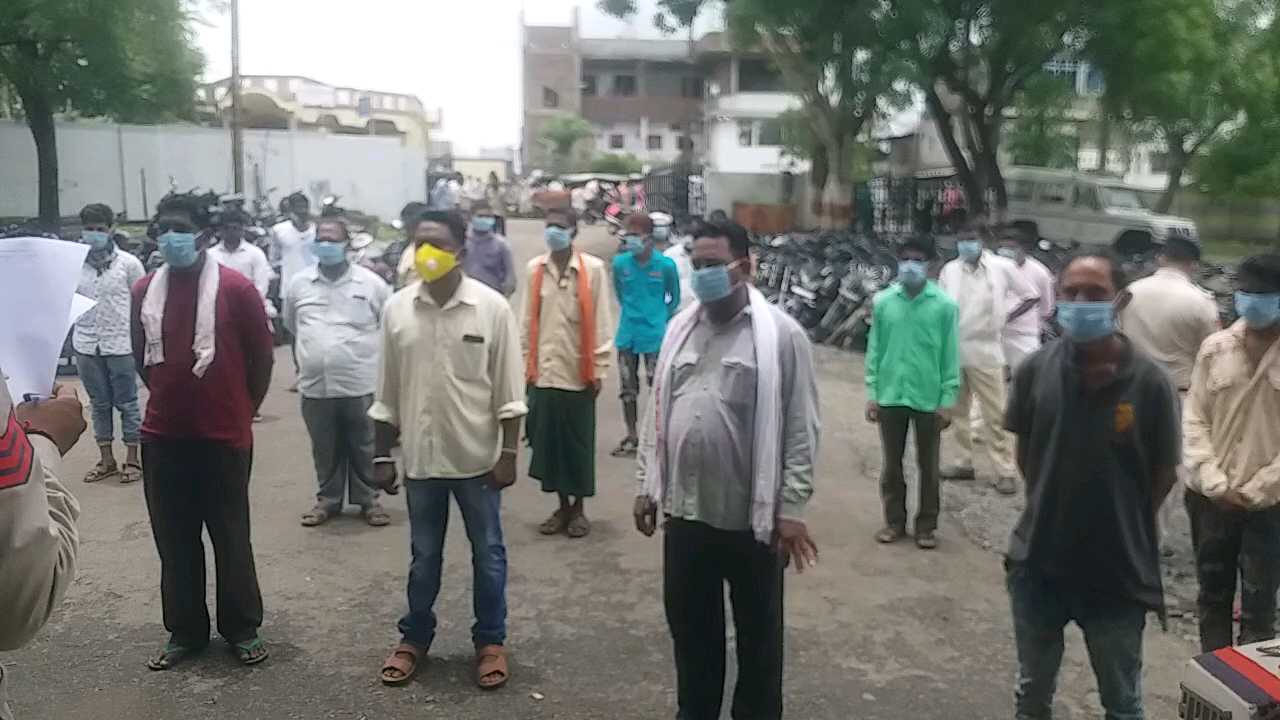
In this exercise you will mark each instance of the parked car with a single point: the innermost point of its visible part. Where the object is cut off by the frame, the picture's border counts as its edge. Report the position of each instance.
(1068, 207)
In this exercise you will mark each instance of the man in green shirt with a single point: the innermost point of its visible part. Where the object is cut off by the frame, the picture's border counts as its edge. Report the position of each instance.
(913, 375)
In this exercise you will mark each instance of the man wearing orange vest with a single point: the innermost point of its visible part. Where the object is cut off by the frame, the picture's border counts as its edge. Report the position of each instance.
(568, 340)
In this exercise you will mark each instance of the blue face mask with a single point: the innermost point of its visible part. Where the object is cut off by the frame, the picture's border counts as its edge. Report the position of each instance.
(1007, 252)
(178, 248)
(712, 283)
(969, 249)
(633, 243)
(330, 253)
(483, 224)
(1259, 310)
(1087, 321)
(661, 233)
(557, 238)
(95, 239)
(913, 273)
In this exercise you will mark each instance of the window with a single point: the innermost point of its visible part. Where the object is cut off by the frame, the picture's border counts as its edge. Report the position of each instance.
(755, 75)
(1055, 193)
(1020, 190)
(675, 127)
(745, 133)
(769, 133)
(691, 87)
(1087, 197)
(617, 141)
(655, 142)
(550, 98)
(624, 85)
(1159, 162)
(589, 85)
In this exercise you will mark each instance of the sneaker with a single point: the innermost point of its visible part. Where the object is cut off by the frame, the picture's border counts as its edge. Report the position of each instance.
(1007, 485)
(926, 540)
(957, 472)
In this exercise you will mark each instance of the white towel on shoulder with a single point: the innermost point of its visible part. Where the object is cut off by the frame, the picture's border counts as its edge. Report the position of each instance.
(152, 316)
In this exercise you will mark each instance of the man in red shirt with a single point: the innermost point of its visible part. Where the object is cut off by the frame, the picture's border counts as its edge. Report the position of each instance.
(202, 346)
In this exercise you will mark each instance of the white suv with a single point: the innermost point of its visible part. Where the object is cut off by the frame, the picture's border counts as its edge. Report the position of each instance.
(1069, 207)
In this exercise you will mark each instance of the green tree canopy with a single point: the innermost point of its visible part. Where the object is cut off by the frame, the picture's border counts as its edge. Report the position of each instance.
(1040, 134)
(615, 164)
(562, 134)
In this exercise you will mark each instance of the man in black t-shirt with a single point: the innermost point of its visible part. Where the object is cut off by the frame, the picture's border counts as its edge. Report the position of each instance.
(1098, 443)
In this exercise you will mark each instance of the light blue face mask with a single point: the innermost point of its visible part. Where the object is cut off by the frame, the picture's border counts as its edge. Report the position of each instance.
(95, 239)
(178, 248)
(557, 238)
(913, 273)
(633, 243)
(1259, 310)
(1007, 252)
(969, 249)
(1087, 321)
(483, 224)
(661, 233)
(330, 253)
(712, 283)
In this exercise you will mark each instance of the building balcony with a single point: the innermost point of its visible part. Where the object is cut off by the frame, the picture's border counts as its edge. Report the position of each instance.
(608, 110)
(752, 104)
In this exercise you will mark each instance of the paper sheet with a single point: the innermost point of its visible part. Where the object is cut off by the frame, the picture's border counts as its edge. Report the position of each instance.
(38, 279)
(80, 305)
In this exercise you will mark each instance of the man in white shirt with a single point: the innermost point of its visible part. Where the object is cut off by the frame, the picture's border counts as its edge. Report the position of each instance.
(245, 258)
(291, 245)
(991, 294)
(334, 309)
(451, 387)
(678, 249)
(1022, 335)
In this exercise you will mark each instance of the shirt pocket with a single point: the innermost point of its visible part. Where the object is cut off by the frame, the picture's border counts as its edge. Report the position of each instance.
(359, 309)
(737, 382)
(1226, 369)
(682, 368)
(469, 355)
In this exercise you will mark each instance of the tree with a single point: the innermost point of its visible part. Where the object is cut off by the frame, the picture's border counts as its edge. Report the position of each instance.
(132, 60)
(562, 134)
(1038, 136)
(616, 164)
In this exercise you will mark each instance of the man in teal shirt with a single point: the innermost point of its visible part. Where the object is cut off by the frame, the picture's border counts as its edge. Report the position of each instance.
(913, 375)
(647, 285)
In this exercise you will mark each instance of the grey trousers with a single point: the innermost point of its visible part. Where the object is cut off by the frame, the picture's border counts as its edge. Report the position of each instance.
(342, 447)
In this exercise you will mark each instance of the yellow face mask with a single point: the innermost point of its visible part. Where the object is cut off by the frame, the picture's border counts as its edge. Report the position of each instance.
(432, 263)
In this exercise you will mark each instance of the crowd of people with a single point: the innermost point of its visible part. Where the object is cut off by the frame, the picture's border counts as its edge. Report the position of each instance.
(430, 387)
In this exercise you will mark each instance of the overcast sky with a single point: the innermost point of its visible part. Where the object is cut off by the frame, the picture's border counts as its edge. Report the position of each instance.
(459, 55)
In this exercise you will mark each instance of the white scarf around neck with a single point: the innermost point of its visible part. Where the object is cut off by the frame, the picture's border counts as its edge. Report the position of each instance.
(152, 316)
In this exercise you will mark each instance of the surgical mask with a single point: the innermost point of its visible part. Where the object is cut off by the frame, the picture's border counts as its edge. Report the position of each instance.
(483, 224)
(557, 238)
(432, 263)
(969, 249)
(633, 243)
(1259, 310)
(661, 233)
(712, 283)
(330, 253)
(1087, 321)
(178, 248)
(1006, 252)
(95, 239)
(913, 273)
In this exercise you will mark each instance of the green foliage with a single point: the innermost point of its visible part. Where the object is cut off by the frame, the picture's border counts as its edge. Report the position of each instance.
(615, 164)
(799, 142)
(1039, 135)
(562, 134)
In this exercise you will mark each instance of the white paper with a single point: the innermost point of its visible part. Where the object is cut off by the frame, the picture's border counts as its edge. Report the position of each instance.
(38, 279)
(80, 304)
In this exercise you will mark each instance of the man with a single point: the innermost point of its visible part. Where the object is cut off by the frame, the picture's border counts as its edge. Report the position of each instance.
(403, 249)
(104, 355)
(291, 245)
(567, 333)
(334, 310)
(662, 223)
(913, 376)
(200, 336)
(38, 537)
(990, 294)
(647, 286)
(1022, 336)
(450, 389)
(488, 258)
(1098, 441)
(678, 250)
(729, 446)
(1233, 462)
(245, 258)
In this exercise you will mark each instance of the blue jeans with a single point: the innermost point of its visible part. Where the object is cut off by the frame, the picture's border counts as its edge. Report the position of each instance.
(1112, 634)
(112, 385)
(481, 507)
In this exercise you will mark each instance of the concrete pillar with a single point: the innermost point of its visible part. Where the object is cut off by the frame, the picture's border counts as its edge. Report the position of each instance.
(640, 83)
(733, 76)
(644, 136)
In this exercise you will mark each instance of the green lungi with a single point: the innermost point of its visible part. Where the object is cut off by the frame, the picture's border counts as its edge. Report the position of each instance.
(561, 427)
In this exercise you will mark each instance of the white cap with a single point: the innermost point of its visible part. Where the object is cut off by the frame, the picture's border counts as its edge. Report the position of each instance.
(660, 219)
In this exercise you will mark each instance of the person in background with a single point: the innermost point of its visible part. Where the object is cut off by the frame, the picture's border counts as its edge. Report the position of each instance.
(403, 249)
(647, 286)
(291, 244)
(488, 258)
(104, 353)
(39, 540)
(450, 389)
(1098, 444)
(335, 311)
(991, 293)
(727, 456)
(913, 377)
(1022, 336)
(662, 227)
(201, 340)
(567, 335)
(679, 251)
(1231, 421)
(243, 257)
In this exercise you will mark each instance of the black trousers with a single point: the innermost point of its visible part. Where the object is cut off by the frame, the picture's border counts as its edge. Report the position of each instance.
(192, 485)
(894, 422)
(1230, 544)
(698, 561)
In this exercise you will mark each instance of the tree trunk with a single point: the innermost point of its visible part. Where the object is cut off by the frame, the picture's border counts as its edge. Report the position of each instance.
(1178, 159)
(39, 113)
(974, 190)
(836, 210)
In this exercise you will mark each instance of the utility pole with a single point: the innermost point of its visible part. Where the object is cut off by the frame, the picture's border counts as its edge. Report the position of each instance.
(237, 139)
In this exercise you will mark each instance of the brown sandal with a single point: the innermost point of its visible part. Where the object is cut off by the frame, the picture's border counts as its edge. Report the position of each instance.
(491, 667)
(579, 526)
(555, 524)
(403, 659)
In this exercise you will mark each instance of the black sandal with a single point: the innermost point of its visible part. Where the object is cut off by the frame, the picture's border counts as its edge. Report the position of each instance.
(626, 448)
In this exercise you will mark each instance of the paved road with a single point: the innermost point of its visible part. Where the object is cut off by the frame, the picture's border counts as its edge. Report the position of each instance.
(873, 633)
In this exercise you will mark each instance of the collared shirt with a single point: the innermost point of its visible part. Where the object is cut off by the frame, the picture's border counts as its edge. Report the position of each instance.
(1168, 317)
(248, 260)
(559, 334)
(1041, 280)
(649, 295)
(1091, 461)
(104, 329)
(986, 293)
(292, 249)
(448, 378)
(912, 357)
(336, 323)
(489, 260)
(1231, 420)
(684, 268)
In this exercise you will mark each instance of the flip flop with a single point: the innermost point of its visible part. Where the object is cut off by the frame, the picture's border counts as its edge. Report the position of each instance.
(404, 659)
(626, 448)
(491, 667)
(171, 656)
(250, 652)
(132, 473)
